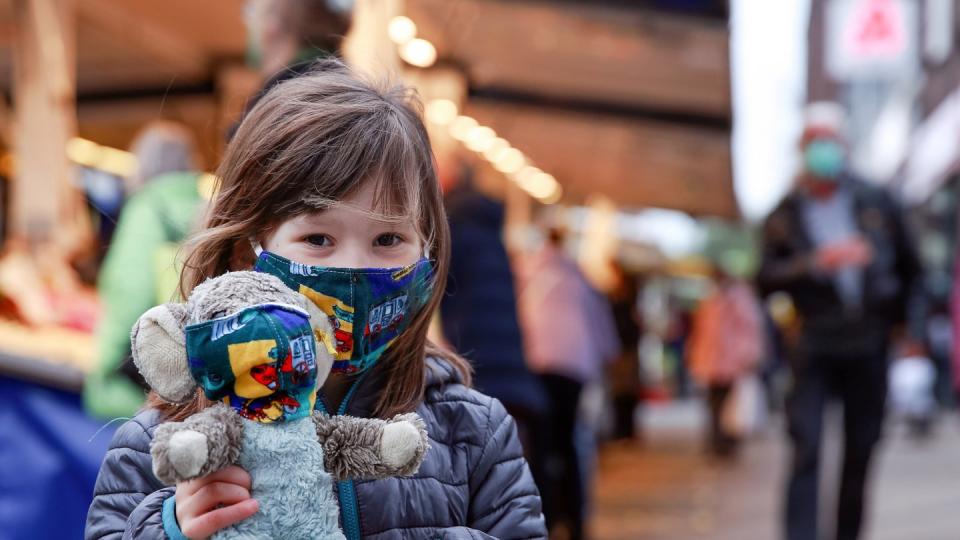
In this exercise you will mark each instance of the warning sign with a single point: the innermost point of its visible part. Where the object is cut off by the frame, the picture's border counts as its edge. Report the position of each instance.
(877, 29)
(871, 39)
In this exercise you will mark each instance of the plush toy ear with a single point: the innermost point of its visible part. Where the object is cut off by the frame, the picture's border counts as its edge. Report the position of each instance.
(160, 351)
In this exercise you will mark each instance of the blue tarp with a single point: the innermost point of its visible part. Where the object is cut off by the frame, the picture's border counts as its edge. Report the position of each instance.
(50, 452)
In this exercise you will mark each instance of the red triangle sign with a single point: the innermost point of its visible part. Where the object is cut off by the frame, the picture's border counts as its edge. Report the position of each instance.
(876, 28)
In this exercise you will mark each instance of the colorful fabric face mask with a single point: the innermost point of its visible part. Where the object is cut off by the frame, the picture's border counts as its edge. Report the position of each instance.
(367, 308)
(262, 361)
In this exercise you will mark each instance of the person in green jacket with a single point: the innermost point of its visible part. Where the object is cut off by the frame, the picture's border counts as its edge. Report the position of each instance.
(141, 269)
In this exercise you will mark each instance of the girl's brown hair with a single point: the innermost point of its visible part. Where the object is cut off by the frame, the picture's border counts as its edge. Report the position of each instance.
(311, 142)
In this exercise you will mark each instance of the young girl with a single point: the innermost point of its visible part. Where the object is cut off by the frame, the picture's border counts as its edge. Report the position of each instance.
(329, 172)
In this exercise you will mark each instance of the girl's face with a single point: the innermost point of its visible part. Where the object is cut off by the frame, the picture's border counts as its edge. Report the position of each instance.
(346, 236)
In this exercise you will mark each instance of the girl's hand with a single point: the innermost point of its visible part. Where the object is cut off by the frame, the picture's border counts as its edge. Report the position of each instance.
(207, 504)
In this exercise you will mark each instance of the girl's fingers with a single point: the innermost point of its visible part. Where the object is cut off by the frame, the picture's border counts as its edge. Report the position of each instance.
(230, 475)
(207, 524)
(212, 495)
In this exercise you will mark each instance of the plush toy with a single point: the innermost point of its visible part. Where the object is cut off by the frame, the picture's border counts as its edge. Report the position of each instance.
(258, 349)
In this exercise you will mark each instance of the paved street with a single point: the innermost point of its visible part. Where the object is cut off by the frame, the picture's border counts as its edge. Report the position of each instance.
(666, 489)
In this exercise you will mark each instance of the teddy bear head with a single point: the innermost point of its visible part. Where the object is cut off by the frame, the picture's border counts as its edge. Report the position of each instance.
(243, 337)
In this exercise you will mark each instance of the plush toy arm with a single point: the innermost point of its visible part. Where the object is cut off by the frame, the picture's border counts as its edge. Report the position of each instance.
(370, 448)
(206, 442)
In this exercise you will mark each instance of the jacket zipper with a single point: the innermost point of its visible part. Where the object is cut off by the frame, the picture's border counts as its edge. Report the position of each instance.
(349, 513)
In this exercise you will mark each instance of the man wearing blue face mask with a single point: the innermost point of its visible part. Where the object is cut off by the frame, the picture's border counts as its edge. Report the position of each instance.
(839, 248)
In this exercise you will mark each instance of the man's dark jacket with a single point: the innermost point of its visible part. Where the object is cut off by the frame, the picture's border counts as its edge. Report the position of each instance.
(889, 281)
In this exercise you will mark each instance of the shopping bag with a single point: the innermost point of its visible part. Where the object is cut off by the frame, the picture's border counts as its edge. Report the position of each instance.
(745, 411)
(911, 387)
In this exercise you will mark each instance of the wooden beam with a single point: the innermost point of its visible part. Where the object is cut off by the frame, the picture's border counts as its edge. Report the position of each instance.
(117, 18)
(45, 206)
(625, 57)
(635, 163)
(7, 31)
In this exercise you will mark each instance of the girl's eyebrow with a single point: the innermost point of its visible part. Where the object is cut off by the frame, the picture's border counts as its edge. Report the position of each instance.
(317, 217)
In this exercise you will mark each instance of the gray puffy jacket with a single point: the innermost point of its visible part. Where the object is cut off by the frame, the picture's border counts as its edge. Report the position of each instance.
(474, 482)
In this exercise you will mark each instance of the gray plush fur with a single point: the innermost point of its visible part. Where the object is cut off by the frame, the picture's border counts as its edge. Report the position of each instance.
(287, 461)
(353, 448)
(223, 428)
(216, 297)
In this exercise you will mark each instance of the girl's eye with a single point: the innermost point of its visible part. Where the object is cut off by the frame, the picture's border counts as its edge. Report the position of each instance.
(388, 240)
(318, 240)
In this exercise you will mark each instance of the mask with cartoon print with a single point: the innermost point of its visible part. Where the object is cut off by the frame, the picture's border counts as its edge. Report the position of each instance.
(262, 361)
(367, 308)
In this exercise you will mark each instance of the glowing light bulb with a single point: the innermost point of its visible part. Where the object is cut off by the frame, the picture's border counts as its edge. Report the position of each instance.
(116, 161)
(401, 30)
(441, 111)
(419, 52)
(543, 186)
(554, 197)
(461, 127)
(83, 151)
(524, 175)
(496, 146)
(480, 138)
(510, 161)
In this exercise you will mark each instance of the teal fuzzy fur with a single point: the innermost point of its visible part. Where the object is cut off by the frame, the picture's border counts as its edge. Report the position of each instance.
(296, 494)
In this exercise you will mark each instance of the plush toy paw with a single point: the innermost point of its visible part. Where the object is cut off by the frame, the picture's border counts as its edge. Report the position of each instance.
(187, 452)
(399, 443)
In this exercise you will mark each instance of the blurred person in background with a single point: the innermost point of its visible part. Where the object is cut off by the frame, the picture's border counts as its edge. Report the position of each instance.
(286, 37)
(679, 324)
(726, 343)
(570, 337)
(624, 372)
(479, 313)
(140, 269)
(839, 248)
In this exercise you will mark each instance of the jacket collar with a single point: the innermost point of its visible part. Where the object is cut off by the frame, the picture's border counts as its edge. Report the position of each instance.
(363, 397)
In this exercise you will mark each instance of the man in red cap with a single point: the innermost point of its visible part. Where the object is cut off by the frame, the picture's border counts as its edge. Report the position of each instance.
(839, 248)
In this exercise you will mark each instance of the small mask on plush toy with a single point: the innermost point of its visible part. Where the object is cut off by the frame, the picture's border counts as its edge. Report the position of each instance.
(262, 361)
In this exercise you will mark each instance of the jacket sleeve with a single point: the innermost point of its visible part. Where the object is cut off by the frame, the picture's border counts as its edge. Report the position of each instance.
(127, 498)
(782, 266)
(504, 501)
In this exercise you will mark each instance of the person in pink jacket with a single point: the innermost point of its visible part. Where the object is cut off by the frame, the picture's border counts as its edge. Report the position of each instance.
(726, 344)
